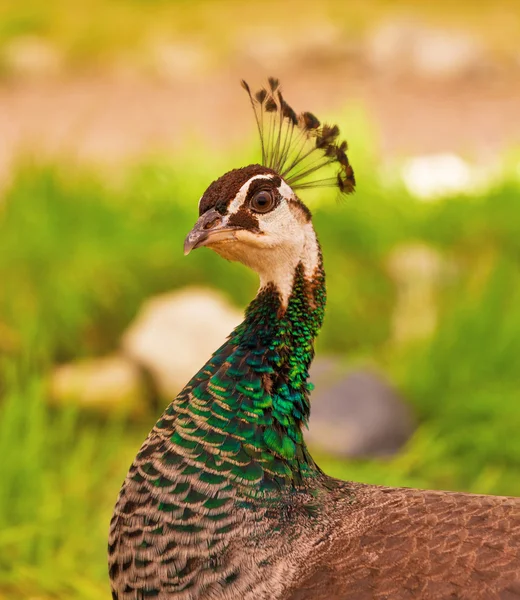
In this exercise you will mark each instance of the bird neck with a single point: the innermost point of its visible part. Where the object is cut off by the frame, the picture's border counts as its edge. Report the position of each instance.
(273, 350)
(280, 331)
(242, 415)
(277, 267)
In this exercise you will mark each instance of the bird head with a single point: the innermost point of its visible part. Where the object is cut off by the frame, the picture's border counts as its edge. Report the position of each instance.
(252, 214)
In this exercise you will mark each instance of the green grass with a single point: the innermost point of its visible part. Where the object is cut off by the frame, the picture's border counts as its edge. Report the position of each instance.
(80, 251)
(56, 494)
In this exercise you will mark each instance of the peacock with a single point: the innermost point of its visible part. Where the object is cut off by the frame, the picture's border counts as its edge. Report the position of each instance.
(224, 500)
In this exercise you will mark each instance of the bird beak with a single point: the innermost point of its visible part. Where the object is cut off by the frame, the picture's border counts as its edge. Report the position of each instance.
(210, 228)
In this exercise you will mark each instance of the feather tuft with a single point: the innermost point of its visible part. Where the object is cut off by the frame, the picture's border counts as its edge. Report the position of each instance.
(289, 113)
(261, 95)
(274, 83)
(310, 121)
(270, 105)
(297, 146)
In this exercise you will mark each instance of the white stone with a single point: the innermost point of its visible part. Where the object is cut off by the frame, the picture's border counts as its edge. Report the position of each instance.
(110, 382)
(436, 175)
(175, 334)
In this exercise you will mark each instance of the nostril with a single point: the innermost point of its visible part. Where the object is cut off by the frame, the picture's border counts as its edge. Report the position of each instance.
(215, 220)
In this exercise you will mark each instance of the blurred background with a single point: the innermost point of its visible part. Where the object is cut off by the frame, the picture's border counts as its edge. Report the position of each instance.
(115, 115)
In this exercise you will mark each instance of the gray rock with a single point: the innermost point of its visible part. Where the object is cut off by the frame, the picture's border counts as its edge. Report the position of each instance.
(356, 414)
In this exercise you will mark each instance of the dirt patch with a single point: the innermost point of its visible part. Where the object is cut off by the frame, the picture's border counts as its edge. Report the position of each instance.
(111, 118)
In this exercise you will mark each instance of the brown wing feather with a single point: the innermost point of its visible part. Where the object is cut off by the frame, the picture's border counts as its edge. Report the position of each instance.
(413, 544)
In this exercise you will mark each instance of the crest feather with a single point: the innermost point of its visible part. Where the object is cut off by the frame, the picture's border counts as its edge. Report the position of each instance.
(297, 146)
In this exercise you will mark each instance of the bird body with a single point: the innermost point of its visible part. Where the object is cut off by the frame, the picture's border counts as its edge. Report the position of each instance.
(406, 544)
(224, 500)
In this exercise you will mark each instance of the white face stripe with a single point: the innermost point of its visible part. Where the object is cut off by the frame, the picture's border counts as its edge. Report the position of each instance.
(237, 201)
(286, 191)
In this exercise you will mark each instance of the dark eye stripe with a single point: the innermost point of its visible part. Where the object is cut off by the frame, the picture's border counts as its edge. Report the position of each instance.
(244, 219)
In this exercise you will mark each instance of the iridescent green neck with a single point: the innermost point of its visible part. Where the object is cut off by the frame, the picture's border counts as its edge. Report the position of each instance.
(282, 340)
(241, 417)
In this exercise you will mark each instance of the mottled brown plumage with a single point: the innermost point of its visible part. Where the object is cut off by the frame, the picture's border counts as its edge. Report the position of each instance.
(405, 544)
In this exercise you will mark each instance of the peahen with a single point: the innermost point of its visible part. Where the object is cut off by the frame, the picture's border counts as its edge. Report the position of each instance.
(223, 500)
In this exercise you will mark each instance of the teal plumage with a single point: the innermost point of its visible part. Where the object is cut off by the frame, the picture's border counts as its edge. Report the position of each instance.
(249, 402)
(224, 501)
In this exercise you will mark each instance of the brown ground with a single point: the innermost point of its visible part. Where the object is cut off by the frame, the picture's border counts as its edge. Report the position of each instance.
(110, 118)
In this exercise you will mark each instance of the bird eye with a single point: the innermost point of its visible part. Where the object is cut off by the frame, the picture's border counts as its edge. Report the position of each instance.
(262, 202)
